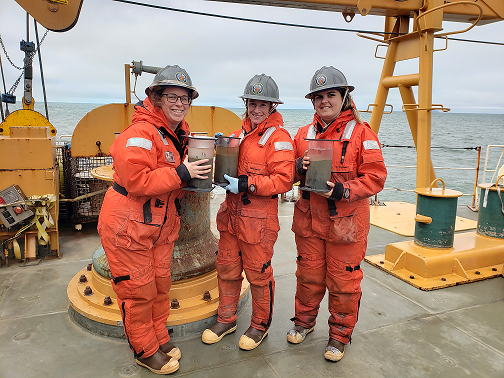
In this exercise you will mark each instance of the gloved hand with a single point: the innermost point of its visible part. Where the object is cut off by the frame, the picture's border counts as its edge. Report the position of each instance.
(233, 184)
(216, 135)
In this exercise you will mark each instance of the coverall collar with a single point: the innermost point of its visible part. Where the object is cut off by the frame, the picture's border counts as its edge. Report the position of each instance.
(337, 125)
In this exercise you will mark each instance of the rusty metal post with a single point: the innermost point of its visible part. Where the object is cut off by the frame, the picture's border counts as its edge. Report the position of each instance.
(475, 191)
(127, 81)
(194, 252)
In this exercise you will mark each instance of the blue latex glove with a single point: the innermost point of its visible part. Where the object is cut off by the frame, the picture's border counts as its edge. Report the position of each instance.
(216, 135)
(233, 184)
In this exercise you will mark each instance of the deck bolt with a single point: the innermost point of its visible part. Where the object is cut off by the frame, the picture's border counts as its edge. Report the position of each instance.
(382, 262)
(107, 301)
(494, 269)
(412, 276)
(206, 296)
(82, 278)
(443, 279)
(477, 272)
(89, 266)
(88, 291)
(174, 304)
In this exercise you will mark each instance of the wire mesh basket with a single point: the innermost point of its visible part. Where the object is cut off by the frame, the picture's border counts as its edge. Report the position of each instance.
(82, 183)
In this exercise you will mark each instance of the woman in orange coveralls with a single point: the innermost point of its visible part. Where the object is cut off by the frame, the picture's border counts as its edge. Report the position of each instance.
(248, 218)
(139, 220)
(331, 227)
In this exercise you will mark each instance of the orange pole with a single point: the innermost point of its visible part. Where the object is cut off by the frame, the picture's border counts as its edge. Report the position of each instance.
(127, 81)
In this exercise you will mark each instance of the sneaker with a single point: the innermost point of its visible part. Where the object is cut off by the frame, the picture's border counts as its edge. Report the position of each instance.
(297, 334)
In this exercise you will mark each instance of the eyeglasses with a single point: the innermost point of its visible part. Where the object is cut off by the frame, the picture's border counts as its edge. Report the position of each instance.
(173, 98)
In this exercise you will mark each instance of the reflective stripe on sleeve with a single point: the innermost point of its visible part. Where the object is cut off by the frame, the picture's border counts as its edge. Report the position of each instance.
(139, 142)
(371, 145)
(279, 146)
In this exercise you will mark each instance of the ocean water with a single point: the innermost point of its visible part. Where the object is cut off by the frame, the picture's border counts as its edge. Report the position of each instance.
(453, 135)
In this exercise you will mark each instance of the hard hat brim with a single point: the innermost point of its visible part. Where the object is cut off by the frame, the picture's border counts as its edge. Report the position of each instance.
(312, 93)
(261, 98)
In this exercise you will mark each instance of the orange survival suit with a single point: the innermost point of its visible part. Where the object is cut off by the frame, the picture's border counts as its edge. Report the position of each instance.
(248, 222)
(331, 234)
(139, 223)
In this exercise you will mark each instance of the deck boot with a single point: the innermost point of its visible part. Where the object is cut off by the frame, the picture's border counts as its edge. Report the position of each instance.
(334, 350)
(171, 350)
(297, 334)
(159, 363)
(252, 338)
(216, 332)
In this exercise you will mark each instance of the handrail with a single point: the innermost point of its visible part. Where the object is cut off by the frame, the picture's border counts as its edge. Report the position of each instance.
(369, 111)
(434, 107)
(475, 190)
(447, 5)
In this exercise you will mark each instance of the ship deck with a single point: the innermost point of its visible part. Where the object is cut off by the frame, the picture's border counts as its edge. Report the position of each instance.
(402, 331)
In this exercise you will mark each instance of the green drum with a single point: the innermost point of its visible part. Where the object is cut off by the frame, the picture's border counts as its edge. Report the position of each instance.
(491, 211)
(436, 212)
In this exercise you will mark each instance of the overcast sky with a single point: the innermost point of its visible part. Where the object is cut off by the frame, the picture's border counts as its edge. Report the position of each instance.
(86, 63)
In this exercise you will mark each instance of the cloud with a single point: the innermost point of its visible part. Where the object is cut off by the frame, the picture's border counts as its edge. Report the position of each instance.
(86, 64)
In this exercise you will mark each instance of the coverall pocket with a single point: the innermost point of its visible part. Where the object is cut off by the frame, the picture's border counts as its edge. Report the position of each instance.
(136, 235)
(257, 169)
(340, 173)
(301, 221)
(343, 277)
(343, 229)
(252, 225)
(222, 218)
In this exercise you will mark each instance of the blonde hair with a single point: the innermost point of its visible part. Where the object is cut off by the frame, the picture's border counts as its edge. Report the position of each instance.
(350, 105)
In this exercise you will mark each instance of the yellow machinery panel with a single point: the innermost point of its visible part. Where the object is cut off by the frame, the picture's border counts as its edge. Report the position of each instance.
(25, 117)
(31, 152)
(94, 133)
(28, 159)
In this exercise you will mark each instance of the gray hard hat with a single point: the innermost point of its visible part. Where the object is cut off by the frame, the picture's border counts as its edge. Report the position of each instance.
(262, 87)
(327, 78)
(173, 76)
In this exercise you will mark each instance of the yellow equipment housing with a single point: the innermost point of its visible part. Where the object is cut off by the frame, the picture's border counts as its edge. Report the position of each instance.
(28, 159)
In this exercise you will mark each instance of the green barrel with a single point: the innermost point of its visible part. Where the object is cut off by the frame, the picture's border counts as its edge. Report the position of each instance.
(491, 212)
(436, 214)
